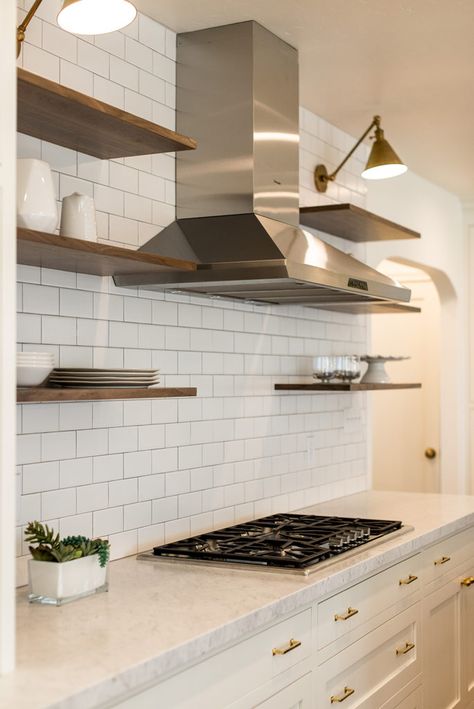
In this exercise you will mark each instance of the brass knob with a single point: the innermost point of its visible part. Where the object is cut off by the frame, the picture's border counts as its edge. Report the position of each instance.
(430, 453)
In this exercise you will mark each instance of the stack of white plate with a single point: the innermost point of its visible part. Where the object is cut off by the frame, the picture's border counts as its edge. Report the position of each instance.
(104, 378)
(32, 368)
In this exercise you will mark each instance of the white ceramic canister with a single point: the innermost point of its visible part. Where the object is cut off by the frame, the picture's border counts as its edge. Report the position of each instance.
(78, 217)
(36, 199)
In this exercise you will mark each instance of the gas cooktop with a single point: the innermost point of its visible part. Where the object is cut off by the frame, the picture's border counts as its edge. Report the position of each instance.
(295, 542)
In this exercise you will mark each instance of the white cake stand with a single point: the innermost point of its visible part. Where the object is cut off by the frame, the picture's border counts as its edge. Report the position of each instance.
(376, 373)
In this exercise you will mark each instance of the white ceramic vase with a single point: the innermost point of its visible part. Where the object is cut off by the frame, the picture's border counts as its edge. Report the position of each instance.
(55, 584)
(36, 199)
(78, 218)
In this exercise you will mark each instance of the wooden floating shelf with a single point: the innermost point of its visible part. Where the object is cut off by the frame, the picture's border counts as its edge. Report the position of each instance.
(60, 115)
(37, 248)
(29, 395)
(344, 387)
(353, 223)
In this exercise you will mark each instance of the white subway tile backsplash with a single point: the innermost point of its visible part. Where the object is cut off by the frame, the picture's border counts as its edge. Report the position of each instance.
(38, 418)
(92, 58)
(137, 413)
(58, 503)
(40, 62)
(124, 73)
(75, 77)
(59, 445)
(123, 439)
(92, 442)
(75, 472)
(164, 509)
(138, 54)
(109, 92)
(40, 476)
(107, 521)
(147, 471)
(137, 515)
(40, 299)
(107, 467)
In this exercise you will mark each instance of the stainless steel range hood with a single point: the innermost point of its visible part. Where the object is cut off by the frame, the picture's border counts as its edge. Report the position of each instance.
(237, 194)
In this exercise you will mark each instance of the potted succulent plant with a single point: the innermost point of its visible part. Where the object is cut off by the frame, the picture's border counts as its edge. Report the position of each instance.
(62, 570)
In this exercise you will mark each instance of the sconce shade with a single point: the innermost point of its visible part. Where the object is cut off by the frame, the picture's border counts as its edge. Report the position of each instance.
(95, 16)
(383, 161)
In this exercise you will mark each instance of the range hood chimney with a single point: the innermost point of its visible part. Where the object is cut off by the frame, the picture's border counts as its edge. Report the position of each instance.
(237, 193)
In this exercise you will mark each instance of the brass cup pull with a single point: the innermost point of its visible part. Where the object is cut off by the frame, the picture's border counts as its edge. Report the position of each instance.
(467, 581)
(292, 645)
(406, 648)
(443, 560)
(348, 614)
(338, 699)
(406, 582)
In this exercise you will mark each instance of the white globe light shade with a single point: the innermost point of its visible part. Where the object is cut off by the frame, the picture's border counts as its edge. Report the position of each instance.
(89, 17)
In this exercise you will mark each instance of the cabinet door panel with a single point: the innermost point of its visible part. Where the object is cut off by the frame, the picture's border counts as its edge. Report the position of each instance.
(467, 639)
(295, 696)
(442, 663)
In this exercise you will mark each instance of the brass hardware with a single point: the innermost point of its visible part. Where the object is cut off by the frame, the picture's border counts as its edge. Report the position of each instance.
(467, 581)
(406, 582)
(381, 154)
(338, 699)
(403, 650)
(443, 560)
(430, 453)
(21, 29)
(292, 645)
(345, 616)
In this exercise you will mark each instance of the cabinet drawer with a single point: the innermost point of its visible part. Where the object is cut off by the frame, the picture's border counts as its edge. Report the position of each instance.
(440, 559)
(343, 613)
(231, 674)
(370, 671)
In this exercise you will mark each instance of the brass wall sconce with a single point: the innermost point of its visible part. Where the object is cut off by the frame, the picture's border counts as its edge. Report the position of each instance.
(85, 17)
(383, 161)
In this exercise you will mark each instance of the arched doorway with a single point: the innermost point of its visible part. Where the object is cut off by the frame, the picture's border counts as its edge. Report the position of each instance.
(406, 423)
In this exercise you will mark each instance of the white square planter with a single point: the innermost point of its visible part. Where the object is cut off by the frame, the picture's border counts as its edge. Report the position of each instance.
(56, 584)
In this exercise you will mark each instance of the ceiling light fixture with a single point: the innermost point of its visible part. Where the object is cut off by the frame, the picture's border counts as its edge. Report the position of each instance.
(383, 161)
(85, 17)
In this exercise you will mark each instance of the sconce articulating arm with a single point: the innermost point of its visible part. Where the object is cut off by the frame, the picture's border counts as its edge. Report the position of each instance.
(321, 176)
(21, 29)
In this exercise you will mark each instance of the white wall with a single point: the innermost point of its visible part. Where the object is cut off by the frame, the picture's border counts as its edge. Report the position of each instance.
(144, 472)
(7, 333)
(416, 203)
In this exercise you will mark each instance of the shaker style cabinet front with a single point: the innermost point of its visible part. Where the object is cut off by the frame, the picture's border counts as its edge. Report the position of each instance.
(295, 696)
(448, 624)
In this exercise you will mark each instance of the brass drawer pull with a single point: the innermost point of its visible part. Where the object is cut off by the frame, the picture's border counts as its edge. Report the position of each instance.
(406, 582)
(292, 645)
(403, 650)
(348, 614)
(347, 693)
(468, 581)
(443, 560)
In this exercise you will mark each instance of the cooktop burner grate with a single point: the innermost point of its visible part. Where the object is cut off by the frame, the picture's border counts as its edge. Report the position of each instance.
(281, 540)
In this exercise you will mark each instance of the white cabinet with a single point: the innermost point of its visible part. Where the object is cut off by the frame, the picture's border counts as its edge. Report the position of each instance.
(241, 676)
(367, 673)
(467, 636)
(442, 635)
(296, 696)
(448, 624)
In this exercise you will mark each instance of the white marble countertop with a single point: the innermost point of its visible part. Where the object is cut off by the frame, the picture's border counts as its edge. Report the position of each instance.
(158, 617)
